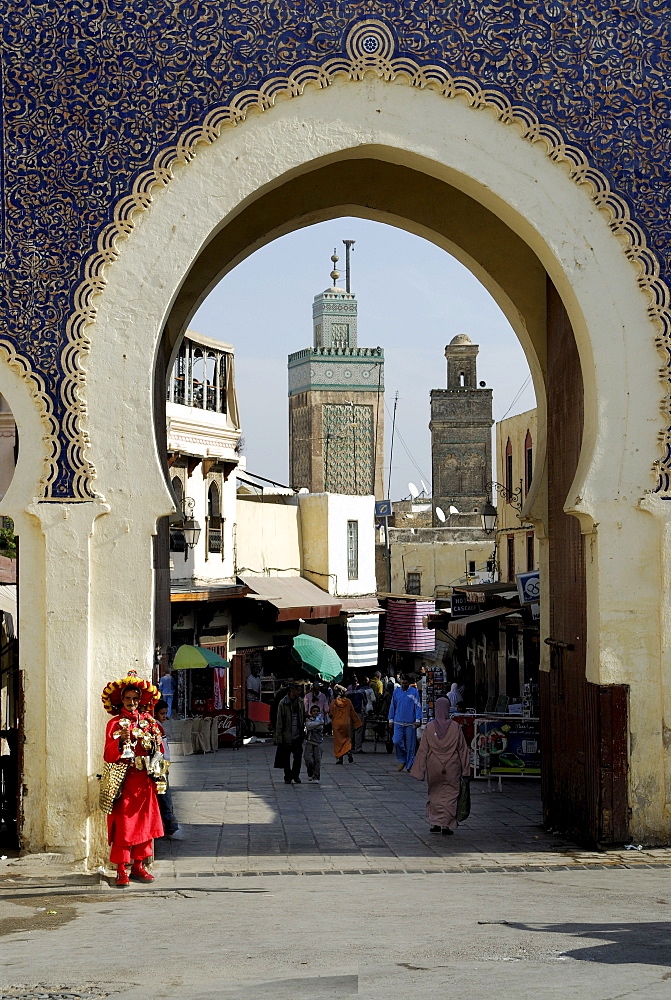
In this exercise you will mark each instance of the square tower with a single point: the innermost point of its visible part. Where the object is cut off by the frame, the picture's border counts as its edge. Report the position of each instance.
(461, 437)
(336, 403)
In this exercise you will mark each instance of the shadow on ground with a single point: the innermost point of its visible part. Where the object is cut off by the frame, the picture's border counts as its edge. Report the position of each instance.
(647, 943)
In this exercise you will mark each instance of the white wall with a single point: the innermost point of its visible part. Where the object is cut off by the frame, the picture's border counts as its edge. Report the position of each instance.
(324, 518)
(268, 538)
(202, 433)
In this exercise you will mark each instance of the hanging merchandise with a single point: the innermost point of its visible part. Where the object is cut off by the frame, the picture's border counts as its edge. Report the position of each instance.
(434, 686)
(405, 629)
(362, 641)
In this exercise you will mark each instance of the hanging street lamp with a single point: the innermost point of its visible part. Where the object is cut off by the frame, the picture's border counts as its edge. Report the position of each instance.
(190, 528)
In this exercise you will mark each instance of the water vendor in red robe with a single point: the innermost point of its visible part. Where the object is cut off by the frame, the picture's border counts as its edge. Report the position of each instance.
(133, 736)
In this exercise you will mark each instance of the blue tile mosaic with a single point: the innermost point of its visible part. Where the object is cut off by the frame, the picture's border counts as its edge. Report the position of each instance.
(94, 90)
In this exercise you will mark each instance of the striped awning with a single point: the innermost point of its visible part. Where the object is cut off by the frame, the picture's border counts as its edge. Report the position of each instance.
(405, 629)
(458, 626)
(362, 640)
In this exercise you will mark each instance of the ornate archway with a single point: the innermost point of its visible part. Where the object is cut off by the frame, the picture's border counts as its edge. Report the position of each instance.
(401, 133)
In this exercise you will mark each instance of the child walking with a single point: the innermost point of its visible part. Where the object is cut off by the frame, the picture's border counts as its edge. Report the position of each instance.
(312, 748)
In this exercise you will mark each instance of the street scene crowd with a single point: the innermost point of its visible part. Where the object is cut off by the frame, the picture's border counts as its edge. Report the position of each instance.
(135, 791)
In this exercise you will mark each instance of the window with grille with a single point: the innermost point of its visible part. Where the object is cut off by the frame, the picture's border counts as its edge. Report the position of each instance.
(214, 524)
(511, 557)
(509, 471)
(528, 462)
(353, 550)
(414, 584)
(530, 552)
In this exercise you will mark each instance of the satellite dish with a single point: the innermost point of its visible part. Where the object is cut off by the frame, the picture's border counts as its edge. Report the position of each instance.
(425, 488)
(440, 513)
(454, 510)
(304, 489)
(414, 492)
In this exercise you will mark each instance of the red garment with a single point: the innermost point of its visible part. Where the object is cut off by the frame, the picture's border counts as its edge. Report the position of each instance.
(124, 855)
(135, 817)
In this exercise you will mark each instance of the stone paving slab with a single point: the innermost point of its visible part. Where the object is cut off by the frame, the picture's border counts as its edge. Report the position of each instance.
(239, 818)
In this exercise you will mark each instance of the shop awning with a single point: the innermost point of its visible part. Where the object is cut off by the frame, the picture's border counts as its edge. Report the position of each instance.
(193, 592)
(458, 626)
(293, 597)
(361, 604)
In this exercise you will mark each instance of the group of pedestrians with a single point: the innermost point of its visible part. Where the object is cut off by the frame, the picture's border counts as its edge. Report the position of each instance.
(300, 724)
(443, 754)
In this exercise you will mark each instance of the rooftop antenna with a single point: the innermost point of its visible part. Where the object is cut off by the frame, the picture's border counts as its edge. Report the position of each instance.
(348, 248)
(391, 449)
(335, 274)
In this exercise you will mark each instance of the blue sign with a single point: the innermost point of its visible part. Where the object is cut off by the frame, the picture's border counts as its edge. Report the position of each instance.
(529, 587)
(383, 508)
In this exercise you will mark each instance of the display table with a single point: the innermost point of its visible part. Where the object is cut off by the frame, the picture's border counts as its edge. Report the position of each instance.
(502, 746)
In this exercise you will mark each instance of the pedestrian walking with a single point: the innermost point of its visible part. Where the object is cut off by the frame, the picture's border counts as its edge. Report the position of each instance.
(367, 702)
(455, 698)
(312, 748)
(442, 759)
(289, 732)
(316, 696)
(168, 686)
(132, 740)
(405, 714)
(171, 828)
(382, 725)
(344, 720)
(376, 684)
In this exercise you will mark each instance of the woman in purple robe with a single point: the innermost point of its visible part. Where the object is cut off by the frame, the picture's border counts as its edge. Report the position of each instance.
(442, 759)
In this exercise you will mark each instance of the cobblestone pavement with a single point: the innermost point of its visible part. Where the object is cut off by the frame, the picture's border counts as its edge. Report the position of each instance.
(239, 817)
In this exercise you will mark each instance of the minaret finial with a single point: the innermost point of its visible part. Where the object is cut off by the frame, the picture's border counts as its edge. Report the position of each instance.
(335, 274)
(349, 248)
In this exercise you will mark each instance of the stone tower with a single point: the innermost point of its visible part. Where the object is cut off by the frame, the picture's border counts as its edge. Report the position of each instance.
(336, 403)
(461, 439)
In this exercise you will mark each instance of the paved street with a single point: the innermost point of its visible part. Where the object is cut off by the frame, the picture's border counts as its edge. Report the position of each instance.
(239, 816)
(389, 912)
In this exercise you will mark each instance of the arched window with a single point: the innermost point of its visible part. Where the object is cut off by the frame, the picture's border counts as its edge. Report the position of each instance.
(528, 461)
(509, 471)
(462, 379)
(213, 503)
(214, 526)
(178, 490)
(177, 542)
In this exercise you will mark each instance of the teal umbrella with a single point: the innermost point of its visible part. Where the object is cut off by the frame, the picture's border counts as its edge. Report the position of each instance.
(317, 658)
(197, 657)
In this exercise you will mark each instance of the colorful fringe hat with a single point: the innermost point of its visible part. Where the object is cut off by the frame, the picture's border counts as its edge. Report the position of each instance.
(112, 692)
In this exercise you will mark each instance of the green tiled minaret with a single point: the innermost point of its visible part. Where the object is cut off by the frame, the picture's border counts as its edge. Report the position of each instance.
(336, 407)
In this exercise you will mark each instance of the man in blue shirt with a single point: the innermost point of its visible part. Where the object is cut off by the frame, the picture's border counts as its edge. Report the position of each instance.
(405, 713)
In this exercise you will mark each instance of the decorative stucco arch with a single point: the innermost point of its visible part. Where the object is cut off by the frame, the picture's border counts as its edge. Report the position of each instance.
(523, 195)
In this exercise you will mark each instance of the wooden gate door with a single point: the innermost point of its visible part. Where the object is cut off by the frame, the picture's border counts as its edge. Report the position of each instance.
(584, 726)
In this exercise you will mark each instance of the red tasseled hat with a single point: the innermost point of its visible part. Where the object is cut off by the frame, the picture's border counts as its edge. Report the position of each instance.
(112, 692)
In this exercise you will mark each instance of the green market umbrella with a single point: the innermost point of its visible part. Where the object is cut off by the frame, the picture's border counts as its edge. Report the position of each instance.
(197, 657)
(317, 658)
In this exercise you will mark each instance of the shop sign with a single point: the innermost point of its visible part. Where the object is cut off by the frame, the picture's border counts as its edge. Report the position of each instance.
(529, 587)
(383, 508)
(507, 747)
(464, 605)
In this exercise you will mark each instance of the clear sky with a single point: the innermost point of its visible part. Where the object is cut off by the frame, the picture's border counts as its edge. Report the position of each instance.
(413, 298)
